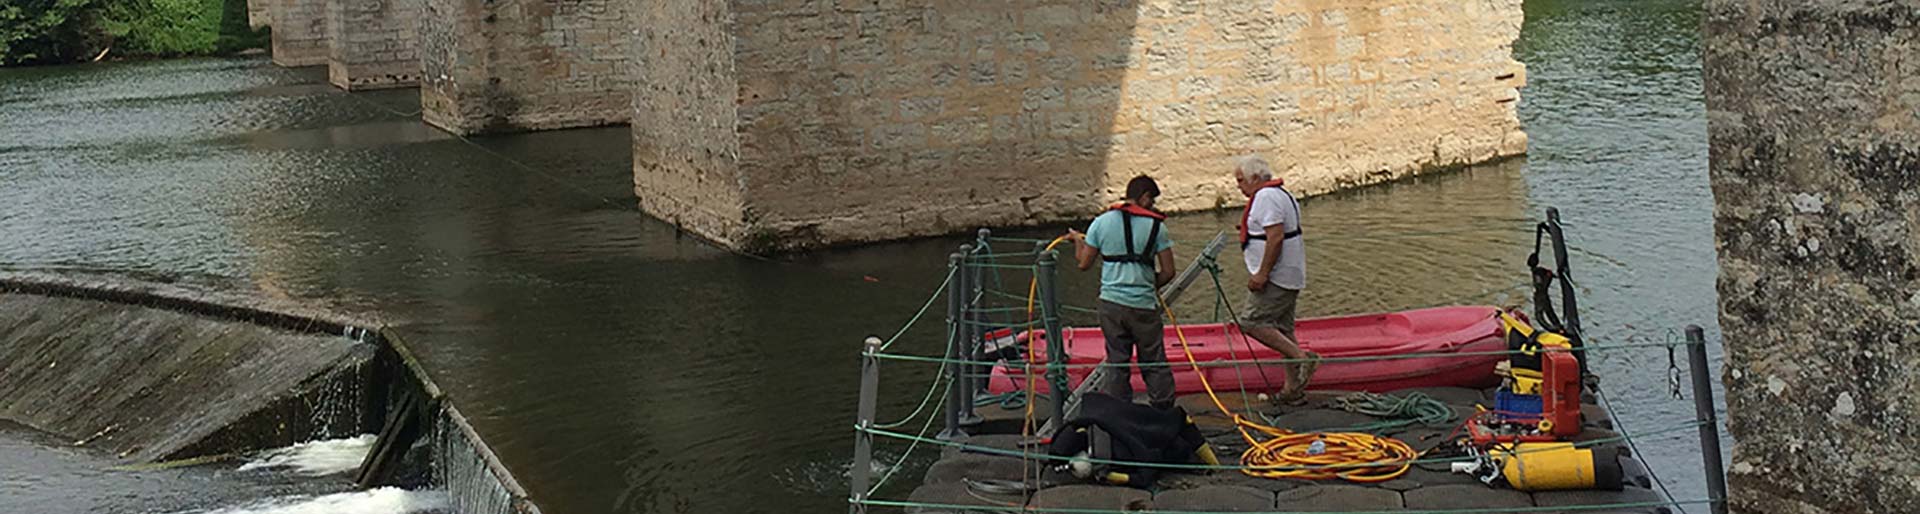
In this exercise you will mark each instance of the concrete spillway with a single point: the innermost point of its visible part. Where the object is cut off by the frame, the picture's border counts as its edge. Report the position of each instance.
(155, 373)
(153, 384)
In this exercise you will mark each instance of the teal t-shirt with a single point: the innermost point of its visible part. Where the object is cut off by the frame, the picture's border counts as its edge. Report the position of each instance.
(1127, 283)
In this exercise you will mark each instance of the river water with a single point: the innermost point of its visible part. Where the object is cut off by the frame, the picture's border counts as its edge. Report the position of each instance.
(618, 367)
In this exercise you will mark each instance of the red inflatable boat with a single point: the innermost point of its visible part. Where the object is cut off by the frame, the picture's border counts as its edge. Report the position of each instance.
(1474, 331)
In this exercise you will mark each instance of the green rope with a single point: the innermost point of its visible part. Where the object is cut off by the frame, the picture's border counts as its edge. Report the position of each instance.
(1064, 510)
(1027, 240)
(910, 446)
(991, 265)
(1224, 363)
(1023, 298)
(923, 310)
(1220, 300)
(1630, 444)
(1691, 425)
(994, 324)
(1412, 409)
(938, 377)
(1010, 400)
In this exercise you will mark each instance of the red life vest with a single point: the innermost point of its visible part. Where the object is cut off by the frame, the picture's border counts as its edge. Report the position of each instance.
(1127, 212)
(1245, 238)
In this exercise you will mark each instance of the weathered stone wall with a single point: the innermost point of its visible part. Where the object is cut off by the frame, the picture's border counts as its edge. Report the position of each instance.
(299, 32)
(258, 14)
(883, 119)
(684, 116)
(1814, 120)
(371, 43)
(494, 66)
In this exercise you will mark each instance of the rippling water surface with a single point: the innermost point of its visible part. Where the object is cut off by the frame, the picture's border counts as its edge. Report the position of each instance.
(618, 367)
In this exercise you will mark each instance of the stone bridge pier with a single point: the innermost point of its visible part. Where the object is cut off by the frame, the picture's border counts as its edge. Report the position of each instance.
(492, 66)
(1813, 122)
(371, 43)
(483, 65)
(299, 32)
(365, 44)
(775, 124)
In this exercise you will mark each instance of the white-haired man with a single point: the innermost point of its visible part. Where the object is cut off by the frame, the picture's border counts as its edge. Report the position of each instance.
(1275, 252)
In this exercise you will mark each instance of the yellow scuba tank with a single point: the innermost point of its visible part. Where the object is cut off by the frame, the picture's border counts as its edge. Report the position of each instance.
(1556, 466)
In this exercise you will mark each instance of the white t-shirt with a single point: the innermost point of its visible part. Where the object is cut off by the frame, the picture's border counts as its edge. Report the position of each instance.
(1271, 206)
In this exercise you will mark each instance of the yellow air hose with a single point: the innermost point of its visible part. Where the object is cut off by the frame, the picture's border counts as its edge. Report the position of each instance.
(1352, 456)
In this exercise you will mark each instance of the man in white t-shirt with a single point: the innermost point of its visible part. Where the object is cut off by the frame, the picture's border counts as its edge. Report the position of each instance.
(1275, 251)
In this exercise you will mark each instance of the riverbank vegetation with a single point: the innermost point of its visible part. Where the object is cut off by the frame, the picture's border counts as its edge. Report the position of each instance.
(66, 31)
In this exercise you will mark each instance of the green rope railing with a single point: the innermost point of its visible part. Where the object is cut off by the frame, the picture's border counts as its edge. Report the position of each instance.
(940, 376)
(955, 507)
(1023, 298)
(895, 468)
(1224, 467)
(922, 312)
(1243, 362)
(1622, 427)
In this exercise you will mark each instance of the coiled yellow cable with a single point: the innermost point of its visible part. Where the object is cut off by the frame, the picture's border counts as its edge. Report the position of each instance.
(1352, 456)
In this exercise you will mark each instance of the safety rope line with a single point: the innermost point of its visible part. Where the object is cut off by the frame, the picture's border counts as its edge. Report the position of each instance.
(1063, 307)
(941, 386)
(923, 310)
(964, 447)
(1220, 299)
(939, 376)
(1622, 428)
(911, 445)
(1224, 363)
(1068, 510)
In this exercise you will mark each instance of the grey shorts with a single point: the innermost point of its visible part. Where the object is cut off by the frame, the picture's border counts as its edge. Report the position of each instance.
(1272, 306)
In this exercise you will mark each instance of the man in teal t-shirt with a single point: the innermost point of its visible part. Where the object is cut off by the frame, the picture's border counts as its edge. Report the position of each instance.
(1137, 253)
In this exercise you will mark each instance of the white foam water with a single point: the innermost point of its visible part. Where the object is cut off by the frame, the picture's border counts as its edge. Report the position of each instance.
(385, 500)
(316, 458)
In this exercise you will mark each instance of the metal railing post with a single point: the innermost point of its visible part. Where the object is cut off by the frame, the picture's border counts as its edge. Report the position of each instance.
(862, 472)
(956, 329)
(979, 342)
(1056, 347)
(965, 376)
(1709, 419)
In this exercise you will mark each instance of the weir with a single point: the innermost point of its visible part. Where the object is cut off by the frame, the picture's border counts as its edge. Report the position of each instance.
(172, 375)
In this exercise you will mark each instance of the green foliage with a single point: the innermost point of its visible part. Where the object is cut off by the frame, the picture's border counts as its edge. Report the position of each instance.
(57, 31)
(46, 30)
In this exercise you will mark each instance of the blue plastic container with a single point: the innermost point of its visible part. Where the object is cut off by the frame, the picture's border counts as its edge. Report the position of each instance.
(1516, 406)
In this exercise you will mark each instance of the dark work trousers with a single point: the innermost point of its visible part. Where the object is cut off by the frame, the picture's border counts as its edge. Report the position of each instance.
(1129, 331)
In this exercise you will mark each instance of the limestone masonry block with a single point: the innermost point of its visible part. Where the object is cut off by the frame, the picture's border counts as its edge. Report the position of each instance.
(299, 32)
(491, 66)
(372, 43)
(1814, 126)
(835, 122)
(258, 14)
